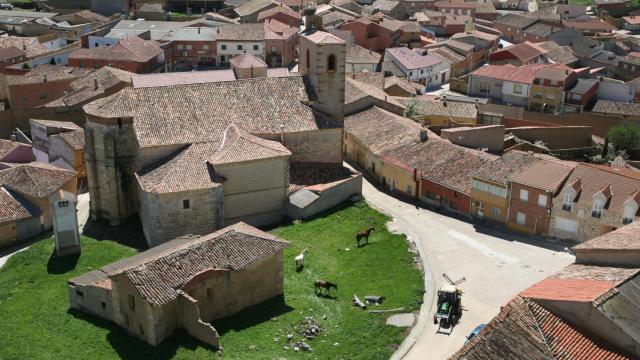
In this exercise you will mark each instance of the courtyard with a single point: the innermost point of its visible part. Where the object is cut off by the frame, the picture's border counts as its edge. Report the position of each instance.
(33, 290)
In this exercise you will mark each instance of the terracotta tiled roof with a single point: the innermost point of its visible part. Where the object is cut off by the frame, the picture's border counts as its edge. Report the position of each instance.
(356, 54)
(441, 108)
(278, 9)
(65, 125)
(159, 276)
(400, 82)
(48, 73)
(241, 32)
(524, 51)
(624, 238)
(616, 108)
(526, 330)
(35, 179)
(253, 6)
(447, 54)
(367, 126)
(356, 90)
(8, 146)
(129, 49)
(411, 59)
(11, 52)
(506, 167)
(580, 283)
(84, 89)
(238, 146)
(558, 54)
(246, 60)
(478, 34)
(75, 138)
(201, 112)
(322, 37)
(523, 74)
(623, 184)
(30, 45)
(515, 21)
(12, 207)
(545, 175)
(448, 4)
(185, 170)
(182, 78)
(593, 25)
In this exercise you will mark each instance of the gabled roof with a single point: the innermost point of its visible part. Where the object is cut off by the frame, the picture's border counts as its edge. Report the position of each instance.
(239, 146)
(75, 139)
(616, 107)
(525, 329)
(35, 179)
(356, 90)
(241, 32)
(356, 54)
(201, 112)
(246, 61)
(14, 208)
(158, 273)
(525, 51)
(545, 175)
(322, 37)
(253, 6)
(558, 54)
(367, 126)
(182, 78)
(8, 146)
(410, 59)
(278, 9)
(515, 21)
(523, 74)
(129, 49)
(84, 89)
(502, 170)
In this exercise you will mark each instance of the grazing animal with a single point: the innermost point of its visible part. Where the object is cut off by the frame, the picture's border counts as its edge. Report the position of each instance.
(364, 235)
(300, 260)
(324, 284)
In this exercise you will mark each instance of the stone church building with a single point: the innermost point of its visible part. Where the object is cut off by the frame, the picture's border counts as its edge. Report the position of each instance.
(185, 283)
(190, 159)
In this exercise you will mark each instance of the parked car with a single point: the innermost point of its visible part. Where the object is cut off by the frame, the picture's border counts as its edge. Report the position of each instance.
(475, 331)
(5, 6)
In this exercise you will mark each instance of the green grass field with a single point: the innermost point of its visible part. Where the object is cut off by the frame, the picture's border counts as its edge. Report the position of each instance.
(36, 322)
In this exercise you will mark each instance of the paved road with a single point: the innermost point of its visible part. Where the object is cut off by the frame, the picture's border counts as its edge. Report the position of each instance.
(496, 265)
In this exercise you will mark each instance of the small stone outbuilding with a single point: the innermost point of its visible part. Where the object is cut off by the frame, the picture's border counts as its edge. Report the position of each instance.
(185, 283)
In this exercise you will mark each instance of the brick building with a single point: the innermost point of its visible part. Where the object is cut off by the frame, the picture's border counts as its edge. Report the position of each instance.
(132, 54)
(191, 47)
(532, 193)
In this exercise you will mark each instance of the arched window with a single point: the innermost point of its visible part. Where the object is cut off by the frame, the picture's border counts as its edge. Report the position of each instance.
(308, 60)
(331, 63)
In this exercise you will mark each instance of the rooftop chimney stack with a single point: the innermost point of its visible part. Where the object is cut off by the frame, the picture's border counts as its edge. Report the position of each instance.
(95, 84)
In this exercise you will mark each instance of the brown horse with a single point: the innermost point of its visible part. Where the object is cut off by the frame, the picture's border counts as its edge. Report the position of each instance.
(324, 284)
(364, 235)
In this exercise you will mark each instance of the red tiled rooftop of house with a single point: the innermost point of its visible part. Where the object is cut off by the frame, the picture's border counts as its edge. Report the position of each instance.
(524, 52)
(524, 74)
(632, 19)
(411, 59)
(582, 290)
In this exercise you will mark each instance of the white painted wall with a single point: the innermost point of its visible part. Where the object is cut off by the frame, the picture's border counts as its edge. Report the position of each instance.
(232, 49)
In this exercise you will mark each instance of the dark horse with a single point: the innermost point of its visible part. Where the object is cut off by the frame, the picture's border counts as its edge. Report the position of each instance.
(364, 235)
(326, 285)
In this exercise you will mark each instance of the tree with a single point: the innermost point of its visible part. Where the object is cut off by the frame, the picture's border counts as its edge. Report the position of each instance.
(410, 109)
(625, 137)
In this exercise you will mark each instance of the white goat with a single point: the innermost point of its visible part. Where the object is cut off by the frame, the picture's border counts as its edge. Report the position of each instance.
(300, 260)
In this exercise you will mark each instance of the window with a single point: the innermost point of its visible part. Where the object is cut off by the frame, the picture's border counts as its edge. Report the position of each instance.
(495, 212)
(453, 205)
(239, 47)
(119, 123)
(421, 71)
(410, 73)
(537, 95)
(596, 211)
(630, 210)
(274, 49)
(132, 303)
(186, 204)
(542, 200)
(189, 47)
(308, 59)
(63, 203)
(517, 89)
(223, 47)
(521, 218)
(524, 195)
(255, 47)
(566, 201)
(205, 47)
(431, 195)
(104, 305)
(331, 63)
(567, 225)
(209, 294)
(79, 293)
(180, 47)
(409, 189)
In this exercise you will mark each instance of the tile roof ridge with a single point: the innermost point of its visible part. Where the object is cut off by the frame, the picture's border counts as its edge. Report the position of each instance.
(27, 172)
(545, 341)
(180, 157)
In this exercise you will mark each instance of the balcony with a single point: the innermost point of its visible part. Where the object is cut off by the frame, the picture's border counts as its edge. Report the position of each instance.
(596, 214)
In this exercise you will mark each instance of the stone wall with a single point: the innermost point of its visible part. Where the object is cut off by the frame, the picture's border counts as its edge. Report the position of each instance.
(191, 321)
(322, 145)
(255, 191)
(490, 137)
(164, 217)
(110, 165)
(560, 137)
(327, 199)
(131, 311)
(92, 299)
(588, 226)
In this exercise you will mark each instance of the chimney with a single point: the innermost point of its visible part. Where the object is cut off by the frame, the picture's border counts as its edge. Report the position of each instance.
(95, 84)
(424, 134)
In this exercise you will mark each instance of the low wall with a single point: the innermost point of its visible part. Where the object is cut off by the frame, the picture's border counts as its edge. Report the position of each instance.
(564, 137)
(326, 199)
